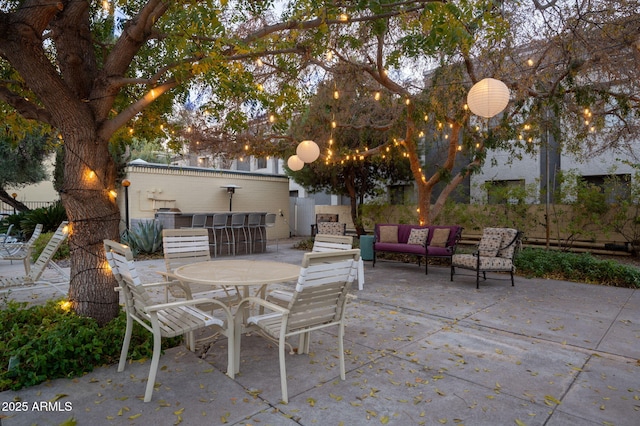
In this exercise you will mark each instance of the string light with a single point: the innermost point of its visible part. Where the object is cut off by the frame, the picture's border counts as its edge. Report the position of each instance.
(376, 96)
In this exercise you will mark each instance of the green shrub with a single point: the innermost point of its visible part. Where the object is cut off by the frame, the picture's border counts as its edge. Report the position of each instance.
(62, 253)
(579, 267)
(47, 342)
(50, 217)
(146, 237)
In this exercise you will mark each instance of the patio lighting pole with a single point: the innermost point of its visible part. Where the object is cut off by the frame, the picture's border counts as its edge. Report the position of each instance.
(14, 195)
(126, 183)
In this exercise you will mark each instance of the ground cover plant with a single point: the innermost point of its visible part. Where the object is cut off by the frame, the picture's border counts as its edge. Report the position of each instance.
(45, 342)
(578, 267)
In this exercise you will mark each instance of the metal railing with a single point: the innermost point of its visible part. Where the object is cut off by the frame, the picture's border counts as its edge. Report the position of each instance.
(7, 210)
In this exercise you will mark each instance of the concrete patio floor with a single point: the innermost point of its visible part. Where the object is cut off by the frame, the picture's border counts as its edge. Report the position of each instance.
(419, 350)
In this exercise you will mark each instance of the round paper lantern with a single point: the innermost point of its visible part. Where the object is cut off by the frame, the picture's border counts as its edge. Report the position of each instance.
(488, 97)
(308, 151)
(295, 163)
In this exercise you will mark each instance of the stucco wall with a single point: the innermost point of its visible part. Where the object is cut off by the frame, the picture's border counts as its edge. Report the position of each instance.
(193, 190)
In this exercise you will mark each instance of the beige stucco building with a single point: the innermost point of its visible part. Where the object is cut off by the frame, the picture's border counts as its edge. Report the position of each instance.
(155, 187)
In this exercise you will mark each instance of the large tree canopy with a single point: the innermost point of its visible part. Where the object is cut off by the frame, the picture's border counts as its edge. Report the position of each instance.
(97, 71)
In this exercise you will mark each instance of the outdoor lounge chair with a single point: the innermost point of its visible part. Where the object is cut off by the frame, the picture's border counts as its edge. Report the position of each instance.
(45, 259)
(162, 320)
(185, 246)
(21, 251)
(318, 302)
(495, 253)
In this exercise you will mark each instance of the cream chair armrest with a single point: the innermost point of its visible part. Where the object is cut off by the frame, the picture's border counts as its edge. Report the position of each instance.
(157, 284)
(190, 302)
(262, 302)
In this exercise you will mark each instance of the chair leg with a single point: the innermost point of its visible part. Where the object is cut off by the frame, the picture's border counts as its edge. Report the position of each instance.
(155, 360)
(125, 344)
(512, 282)
(478, 278)
(283, 370)
(453, 270)
(237, 334)
(341, 350)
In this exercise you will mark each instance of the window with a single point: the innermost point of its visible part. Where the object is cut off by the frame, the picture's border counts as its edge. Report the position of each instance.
(614, 187)
(261, 163)
(401, 194)
(505, 191)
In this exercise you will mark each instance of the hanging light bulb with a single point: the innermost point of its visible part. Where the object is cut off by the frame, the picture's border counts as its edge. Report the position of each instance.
(336, 94)
(376, 96)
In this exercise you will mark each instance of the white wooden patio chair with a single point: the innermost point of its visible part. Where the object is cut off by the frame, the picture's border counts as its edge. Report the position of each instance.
(318, 302)
(21, 251)
(182, 247)
(162, 320)
(37, 269)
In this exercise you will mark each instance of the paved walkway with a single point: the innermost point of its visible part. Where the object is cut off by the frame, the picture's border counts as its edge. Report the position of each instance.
(419, 349)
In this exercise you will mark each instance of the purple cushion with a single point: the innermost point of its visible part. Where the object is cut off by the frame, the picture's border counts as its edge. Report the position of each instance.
(400, 248)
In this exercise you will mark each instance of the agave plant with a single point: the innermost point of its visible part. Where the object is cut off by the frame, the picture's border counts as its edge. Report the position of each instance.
(146, 237)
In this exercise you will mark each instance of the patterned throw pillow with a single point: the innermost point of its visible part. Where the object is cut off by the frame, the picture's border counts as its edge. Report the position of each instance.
(389, 234)
(418, 236)
(440, 237)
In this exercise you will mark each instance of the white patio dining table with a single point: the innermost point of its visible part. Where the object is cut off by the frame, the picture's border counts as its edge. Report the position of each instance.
(239, 273)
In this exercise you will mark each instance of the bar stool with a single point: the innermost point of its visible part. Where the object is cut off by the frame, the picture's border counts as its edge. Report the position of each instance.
(270, 222)
(219, 226)
(198, 220)
(238, 237)
(256, 230)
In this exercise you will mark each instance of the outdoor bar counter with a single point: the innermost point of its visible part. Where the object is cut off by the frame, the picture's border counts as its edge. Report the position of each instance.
(176, 220)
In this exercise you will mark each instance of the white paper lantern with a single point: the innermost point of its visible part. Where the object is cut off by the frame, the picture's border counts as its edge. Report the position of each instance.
(308, 151)
(488, 97)
(295, 163)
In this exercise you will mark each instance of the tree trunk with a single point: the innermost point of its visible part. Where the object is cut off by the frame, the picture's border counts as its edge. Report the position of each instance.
(350, 184)
(89, 200)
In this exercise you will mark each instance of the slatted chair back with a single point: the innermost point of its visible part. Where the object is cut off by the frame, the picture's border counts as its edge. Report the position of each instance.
(184, 246)
(326, 242)
(21, 251)
(321, 291)
(45, 259)
(136, 298)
